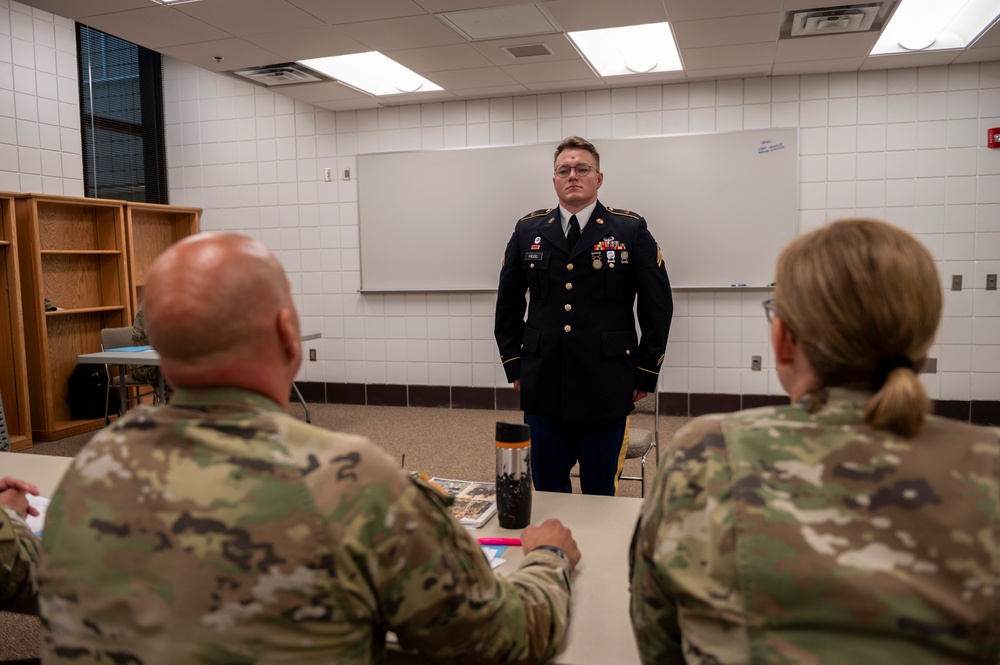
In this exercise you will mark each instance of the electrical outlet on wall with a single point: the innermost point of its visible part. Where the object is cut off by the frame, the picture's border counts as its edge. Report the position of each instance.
(312, 355)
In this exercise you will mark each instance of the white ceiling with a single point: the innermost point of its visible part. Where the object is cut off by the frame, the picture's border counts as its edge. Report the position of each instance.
(717, 39)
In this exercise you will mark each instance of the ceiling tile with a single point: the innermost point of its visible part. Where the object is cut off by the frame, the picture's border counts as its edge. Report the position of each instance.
(237, 53)
(317, 42)
(402, 33)
(558, 70)
(327, 91)
(497, 91)
(486, 77)
(826, 47)
(417, 98)
(818, 66)
(353, 11)
(744, 71)
(693, 10)
(984, 54)
(727, 31)
(718, 39)
(898, 61)
(438, 58)
(653, 78)
(76, 9)
(439, 6)
(573, 15)
(725, 56)
(562, 49)
(156, 27)
(567, 86)
(249, 17)
(989, 38)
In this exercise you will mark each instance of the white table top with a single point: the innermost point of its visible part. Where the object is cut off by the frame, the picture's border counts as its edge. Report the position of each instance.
(600, 631)
(151, 357)
(45, 471)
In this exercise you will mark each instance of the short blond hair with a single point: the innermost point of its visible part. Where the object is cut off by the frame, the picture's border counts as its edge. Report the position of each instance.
(578, 143)
(860, 294)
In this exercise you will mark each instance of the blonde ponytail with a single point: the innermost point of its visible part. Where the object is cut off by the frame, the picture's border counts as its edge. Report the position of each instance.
(901, 405)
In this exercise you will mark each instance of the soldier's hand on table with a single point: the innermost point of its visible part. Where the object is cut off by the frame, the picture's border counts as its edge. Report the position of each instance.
(551, 532)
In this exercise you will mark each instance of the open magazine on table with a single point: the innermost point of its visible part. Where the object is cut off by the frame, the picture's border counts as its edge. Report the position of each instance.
(475, 502)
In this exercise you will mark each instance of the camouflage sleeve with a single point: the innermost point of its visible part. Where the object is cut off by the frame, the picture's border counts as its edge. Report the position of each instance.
(441, 597)
(673, 548)
(19, 554)
(139, 337)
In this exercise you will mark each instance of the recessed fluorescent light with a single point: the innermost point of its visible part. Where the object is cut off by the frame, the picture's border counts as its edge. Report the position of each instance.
(371, 72)
(633, 49)
(934, 25)
(173, 2)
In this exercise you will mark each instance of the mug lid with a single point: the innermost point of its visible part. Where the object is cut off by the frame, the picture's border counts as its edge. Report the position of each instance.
(513, 433)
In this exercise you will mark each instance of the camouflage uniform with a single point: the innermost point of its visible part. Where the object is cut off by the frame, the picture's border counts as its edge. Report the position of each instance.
(146, 373)
(219, 529)
(779, 536)
(19, 553)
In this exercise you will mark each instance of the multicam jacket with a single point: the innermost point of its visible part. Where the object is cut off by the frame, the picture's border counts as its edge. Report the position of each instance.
(19, 554)
(776, 535)
(219, 529)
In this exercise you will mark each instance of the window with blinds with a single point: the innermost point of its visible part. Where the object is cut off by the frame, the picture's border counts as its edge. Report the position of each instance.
(121, 113)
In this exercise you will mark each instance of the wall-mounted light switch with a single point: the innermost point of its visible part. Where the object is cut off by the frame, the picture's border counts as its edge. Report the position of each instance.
(991, 282)
(956, 282)
(312, 355)
(755, 363)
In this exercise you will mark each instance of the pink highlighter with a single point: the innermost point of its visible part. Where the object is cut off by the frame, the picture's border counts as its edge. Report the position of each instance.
(500, 541)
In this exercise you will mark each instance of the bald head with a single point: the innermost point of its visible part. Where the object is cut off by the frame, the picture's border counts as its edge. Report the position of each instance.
(217, 305)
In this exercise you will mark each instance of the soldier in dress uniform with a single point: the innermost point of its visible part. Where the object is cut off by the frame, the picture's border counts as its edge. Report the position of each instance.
(577, 360)
(220, 529)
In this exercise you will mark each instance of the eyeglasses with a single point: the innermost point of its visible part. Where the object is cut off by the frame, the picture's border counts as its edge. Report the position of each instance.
(582, 170)
(770, 309)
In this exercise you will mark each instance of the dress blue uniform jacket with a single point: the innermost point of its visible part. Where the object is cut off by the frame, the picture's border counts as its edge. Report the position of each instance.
(578, 355)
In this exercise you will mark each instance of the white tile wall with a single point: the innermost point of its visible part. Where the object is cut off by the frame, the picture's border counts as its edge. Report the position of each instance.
(39, 109)
(905, 145)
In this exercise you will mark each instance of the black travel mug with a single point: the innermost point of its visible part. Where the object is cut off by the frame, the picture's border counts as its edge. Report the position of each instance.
(513, 475)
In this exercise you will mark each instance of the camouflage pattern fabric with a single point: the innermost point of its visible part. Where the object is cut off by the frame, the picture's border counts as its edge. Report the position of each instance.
(19, 554)
(219, 529)
(146, 373)
(779, 536)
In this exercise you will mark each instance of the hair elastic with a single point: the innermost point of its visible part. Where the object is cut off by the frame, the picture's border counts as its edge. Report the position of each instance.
(887, 365)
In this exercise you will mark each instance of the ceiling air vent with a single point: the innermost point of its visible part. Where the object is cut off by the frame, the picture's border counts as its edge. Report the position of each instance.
(287, 73)
(836, 20)
(527, 50)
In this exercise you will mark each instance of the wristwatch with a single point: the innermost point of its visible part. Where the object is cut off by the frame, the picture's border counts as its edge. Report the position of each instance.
(555, 550)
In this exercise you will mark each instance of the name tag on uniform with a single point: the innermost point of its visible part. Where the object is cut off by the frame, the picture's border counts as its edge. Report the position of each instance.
(534, 256)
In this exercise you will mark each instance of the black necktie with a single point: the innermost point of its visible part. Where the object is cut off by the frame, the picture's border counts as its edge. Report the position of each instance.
(574, 232)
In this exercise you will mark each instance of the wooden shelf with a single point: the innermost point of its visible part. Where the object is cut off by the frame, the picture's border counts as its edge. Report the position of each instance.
(85, 310)
(13, 364)
(81, 252)
(150, 229)
(88, 257)
(72, 251)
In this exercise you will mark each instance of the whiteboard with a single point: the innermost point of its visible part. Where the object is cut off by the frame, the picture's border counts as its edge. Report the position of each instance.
(721, 206)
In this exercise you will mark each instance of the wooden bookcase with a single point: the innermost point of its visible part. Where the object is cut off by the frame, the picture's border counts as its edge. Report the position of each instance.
(73, 252)
(13, 368)
(149, 229)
